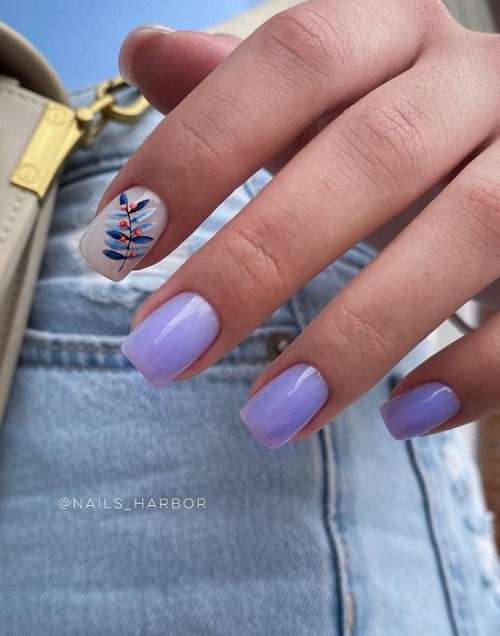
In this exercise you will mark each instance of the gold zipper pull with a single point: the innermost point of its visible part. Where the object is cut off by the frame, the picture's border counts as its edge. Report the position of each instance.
(61, 128)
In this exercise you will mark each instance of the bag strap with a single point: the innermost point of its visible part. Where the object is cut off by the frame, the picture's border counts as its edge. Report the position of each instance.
(27, 84)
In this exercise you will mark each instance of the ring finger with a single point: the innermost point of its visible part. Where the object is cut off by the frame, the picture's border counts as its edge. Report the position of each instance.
(362, 169)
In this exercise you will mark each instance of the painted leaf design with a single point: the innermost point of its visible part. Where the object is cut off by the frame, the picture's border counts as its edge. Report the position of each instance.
(116, 256)
(140, 205)
(116, 234)
(116, 245)
(137, 254)
(143, 216)
(146, 226)
(113, 223)
(141, 239)
(126, 230)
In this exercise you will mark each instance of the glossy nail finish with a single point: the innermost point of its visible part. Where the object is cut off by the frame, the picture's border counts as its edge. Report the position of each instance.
(420, 410)
(284, 406)
(170, 339)
(123, 233)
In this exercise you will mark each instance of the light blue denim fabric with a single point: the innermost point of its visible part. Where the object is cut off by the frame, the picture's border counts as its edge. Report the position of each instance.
(347, 532)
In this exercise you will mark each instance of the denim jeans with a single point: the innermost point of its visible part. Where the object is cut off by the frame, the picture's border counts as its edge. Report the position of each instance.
(129, 510)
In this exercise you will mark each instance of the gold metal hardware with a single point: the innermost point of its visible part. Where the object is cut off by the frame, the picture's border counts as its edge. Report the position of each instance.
(61, 128)
(55, 136)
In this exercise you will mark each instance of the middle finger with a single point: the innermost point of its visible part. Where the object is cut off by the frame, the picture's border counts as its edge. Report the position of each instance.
(363, 169)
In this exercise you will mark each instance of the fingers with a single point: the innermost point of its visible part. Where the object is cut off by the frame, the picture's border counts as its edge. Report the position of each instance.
(456, 386)
(167, 65)
(392, 305)
(364, 168)
(254, 104)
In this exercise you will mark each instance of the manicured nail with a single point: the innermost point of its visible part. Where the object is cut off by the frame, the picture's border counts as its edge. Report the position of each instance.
(420, 410)
(123, 233)
(171, 338)
(129, 47)
(284, 406)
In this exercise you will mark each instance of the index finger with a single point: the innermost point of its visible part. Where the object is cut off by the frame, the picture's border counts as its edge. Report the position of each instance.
(315, 57)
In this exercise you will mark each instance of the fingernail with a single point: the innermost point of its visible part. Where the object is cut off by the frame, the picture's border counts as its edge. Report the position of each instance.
(284, 406)
(125, 61)
(123, 233)
(170, 339)
(420, 410)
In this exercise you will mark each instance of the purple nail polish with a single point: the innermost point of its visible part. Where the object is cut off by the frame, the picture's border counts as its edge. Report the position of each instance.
(284, 406)
(420, 410)
(171, 338)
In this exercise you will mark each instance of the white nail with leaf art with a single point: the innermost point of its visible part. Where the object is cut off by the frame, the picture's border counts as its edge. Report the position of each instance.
(124, 232)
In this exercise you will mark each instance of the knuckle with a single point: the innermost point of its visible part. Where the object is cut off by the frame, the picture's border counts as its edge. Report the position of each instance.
(204, 136)
(304, 35)
(389, 141)
(198, 141)
(480, 202)
(250, 263)
(362, 333)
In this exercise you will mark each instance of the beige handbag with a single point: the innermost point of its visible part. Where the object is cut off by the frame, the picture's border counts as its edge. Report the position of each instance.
(37, 132)
(27, 83)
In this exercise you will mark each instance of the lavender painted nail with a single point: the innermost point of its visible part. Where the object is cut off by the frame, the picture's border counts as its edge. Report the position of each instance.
(284, 406)
(420, 410)
(171, 338)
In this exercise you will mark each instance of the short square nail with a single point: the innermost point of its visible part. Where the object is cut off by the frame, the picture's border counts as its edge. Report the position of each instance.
(171, 338)
(123, 233)
(284, 406)
(420, 410)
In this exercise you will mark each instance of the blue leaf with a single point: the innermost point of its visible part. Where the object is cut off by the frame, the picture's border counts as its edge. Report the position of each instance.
(123, 199)
(115, 234)
(141, 239)
(143, 216)
(118, 215)
(140, 205)
(146, 226)
(114, 224)
(116, 256)
(116, 245)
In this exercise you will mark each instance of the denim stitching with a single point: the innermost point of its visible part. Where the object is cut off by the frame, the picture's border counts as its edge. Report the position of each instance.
(447, 569)
(49, 350)
(330, 505)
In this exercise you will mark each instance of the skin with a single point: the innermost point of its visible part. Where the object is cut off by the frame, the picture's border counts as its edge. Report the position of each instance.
(380, 120)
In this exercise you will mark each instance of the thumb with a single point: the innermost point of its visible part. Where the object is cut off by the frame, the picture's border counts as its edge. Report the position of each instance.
(166, 65)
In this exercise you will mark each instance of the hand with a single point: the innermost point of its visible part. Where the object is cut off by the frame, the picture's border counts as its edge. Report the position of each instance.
(366, 107)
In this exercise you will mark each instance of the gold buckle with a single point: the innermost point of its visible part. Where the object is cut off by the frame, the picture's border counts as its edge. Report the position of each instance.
(61, 128)
(93, 117)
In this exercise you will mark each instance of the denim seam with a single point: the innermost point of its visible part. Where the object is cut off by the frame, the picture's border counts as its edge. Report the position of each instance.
(446, 568)
(52, 352)
(330, 505)
(84, 368)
